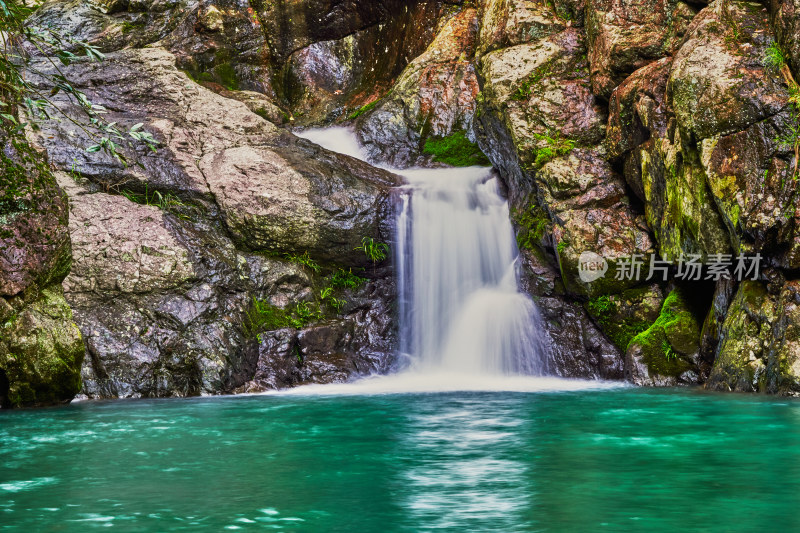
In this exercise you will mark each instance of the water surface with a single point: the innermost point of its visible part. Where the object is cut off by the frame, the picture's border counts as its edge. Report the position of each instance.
(618, 459)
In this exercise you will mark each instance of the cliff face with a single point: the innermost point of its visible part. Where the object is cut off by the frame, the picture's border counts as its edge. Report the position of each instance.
(224, 261)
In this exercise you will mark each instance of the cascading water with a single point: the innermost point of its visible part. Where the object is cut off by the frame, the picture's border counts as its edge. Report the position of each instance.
(461, 311)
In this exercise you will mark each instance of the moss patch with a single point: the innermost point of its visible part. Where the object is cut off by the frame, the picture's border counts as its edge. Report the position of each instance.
(363, 109)
(455, 150)
(673, 337)
(533, 223)
(620, 331)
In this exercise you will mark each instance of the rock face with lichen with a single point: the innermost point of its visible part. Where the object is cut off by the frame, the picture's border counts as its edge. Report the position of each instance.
(41, 349)
(617, 127)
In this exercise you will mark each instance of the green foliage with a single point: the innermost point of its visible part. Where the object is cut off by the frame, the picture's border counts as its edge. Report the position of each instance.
(363, 109)
(455, 150)
(22, 43)
(561, 246)
(155, 198)
(549, 147)
(533, 223)
(541, 72)
(669, 353)
(602, 306)
(345, 279)
(305, 261)
(263, 316)
(620, 331)
(375, 251)
(326, 295)
(773, 57)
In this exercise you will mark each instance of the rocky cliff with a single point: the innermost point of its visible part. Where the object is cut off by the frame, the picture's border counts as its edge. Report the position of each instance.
(226, 260)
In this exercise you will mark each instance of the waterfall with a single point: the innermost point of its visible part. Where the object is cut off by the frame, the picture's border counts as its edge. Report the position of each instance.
(456, 264)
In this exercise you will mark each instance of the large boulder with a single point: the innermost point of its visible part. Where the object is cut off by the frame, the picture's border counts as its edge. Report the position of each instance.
(434, 97)
(626, 35)
(184, 256)
(274, 192)
(41, 348)
(540, 125)
(760, 347)
(666, 354)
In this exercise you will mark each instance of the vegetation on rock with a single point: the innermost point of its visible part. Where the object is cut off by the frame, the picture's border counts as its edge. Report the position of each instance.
(455, 150)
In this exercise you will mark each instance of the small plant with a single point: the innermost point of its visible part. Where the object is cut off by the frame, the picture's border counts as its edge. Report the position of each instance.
(363, 109)
(166, 202)
(669, 353)
(305, 261)
(602, 306)
(533, 223)
(455, 150)
(541, 72)
(561, 246)
(773, 57)
(345, 279)
(263, 316)
(375, 251)
(550, 146)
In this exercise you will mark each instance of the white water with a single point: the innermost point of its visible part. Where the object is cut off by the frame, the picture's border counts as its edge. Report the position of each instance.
(461, 313)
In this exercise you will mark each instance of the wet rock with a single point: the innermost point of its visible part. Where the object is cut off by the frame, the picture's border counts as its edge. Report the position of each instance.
(625, 36)
(576, 348)
(433, 97)
(506, 23)
(666, 353)
(41, 351)
(759, 348)
(272, 191)
(227, 211)
(623, 316)
(41, 348)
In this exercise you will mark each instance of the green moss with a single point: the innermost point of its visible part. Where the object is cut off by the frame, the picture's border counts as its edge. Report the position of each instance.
(674, 336)
(533, 223)
(41, 352)
(132, 25)
(541, 72)
(455, 150)
(227, 76)
(620, 331)
(363, 109)
(550, 146)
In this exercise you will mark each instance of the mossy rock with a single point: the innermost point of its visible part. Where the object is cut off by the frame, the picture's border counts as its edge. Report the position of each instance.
(41, 353)
(664, 353)
(621, 317)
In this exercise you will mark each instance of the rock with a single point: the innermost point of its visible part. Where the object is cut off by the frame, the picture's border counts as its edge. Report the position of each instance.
(724, 291)
(666, 353)
(226, 212)
(41, 351)
(272, 191)
(625, 36)
(433, 97)
(785, 25)
(721, 61)
(34, 242)
(41, 348)
(506, 23)
(576, 348)
(623, 316)
(214, 41)
(759, 348)
(333, 56)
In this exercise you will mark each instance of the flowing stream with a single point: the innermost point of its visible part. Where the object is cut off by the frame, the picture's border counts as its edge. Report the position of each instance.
(461, 312)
